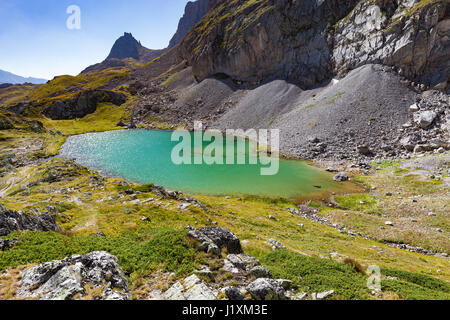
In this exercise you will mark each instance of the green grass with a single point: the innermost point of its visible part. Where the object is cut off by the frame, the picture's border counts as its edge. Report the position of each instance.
(415, 286)
(363, 203)
(65, 87)
(312, 274)
(166, 249)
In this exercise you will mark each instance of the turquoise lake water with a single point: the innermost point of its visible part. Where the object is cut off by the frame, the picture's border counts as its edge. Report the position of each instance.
(144, 157)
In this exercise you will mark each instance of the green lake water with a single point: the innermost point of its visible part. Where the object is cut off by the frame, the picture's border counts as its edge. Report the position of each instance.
(144, 156)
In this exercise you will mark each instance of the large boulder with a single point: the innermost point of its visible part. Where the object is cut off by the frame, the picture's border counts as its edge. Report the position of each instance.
(11, 221)
(426, 118)
(266, 289)
(73, 277)
(213, 239)
(83, 104)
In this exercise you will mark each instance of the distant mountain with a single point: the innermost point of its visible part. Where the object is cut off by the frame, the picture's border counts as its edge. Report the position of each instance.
(128, 47)
(193, 13)
(124, 48)
(8, 77)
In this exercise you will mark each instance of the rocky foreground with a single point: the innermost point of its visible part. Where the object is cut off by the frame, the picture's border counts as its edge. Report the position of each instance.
(98, 275)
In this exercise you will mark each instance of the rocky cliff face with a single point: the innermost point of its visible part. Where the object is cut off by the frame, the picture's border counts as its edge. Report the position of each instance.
(411, 35)
(193, 13)
(310, 41)
(83, 104)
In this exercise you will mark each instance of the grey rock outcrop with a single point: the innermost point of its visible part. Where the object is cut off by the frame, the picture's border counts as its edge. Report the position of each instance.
(194, 12)
(411, 35)
(214, 239)
(83, 104)
(11, 221)
(233, 293)
(192, 288)
(260, 272)
(236, 263)
(266, 289)
(68, 279)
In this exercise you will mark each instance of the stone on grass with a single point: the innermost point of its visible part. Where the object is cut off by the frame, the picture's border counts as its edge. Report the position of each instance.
(68, 279)
(214, 239)
(266, 289)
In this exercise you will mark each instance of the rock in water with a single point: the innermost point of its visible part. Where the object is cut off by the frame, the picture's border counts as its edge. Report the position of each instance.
(11, 221)
(266, 289)
(341, 177)
(213, 239)
(65, 279)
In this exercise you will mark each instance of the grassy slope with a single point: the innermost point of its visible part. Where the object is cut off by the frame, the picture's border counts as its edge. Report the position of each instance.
(414, 196)
(144, 248)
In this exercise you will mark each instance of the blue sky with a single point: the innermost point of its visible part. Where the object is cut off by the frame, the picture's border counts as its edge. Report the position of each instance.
(34, 39)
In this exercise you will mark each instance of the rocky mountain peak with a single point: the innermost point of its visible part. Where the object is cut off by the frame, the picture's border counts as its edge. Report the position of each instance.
(125, 47)
(193, 13)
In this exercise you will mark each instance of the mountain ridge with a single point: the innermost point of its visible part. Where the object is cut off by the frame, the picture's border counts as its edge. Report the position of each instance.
(11, 78)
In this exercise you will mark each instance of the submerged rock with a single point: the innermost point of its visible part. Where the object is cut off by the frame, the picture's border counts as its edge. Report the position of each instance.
(65, 279)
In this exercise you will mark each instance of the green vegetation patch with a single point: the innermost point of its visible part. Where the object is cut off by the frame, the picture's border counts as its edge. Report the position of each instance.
(415, 286)
(363, 203)
(313, 274)
(166, 249)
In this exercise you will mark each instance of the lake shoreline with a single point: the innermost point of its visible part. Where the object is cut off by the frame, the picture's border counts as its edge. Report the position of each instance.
(349, 187)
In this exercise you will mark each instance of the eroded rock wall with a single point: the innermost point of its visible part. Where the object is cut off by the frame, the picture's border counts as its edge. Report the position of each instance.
(310, 41)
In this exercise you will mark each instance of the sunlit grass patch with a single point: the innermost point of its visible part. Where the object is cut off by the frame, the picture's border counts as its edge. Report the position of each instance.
(363, 203)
